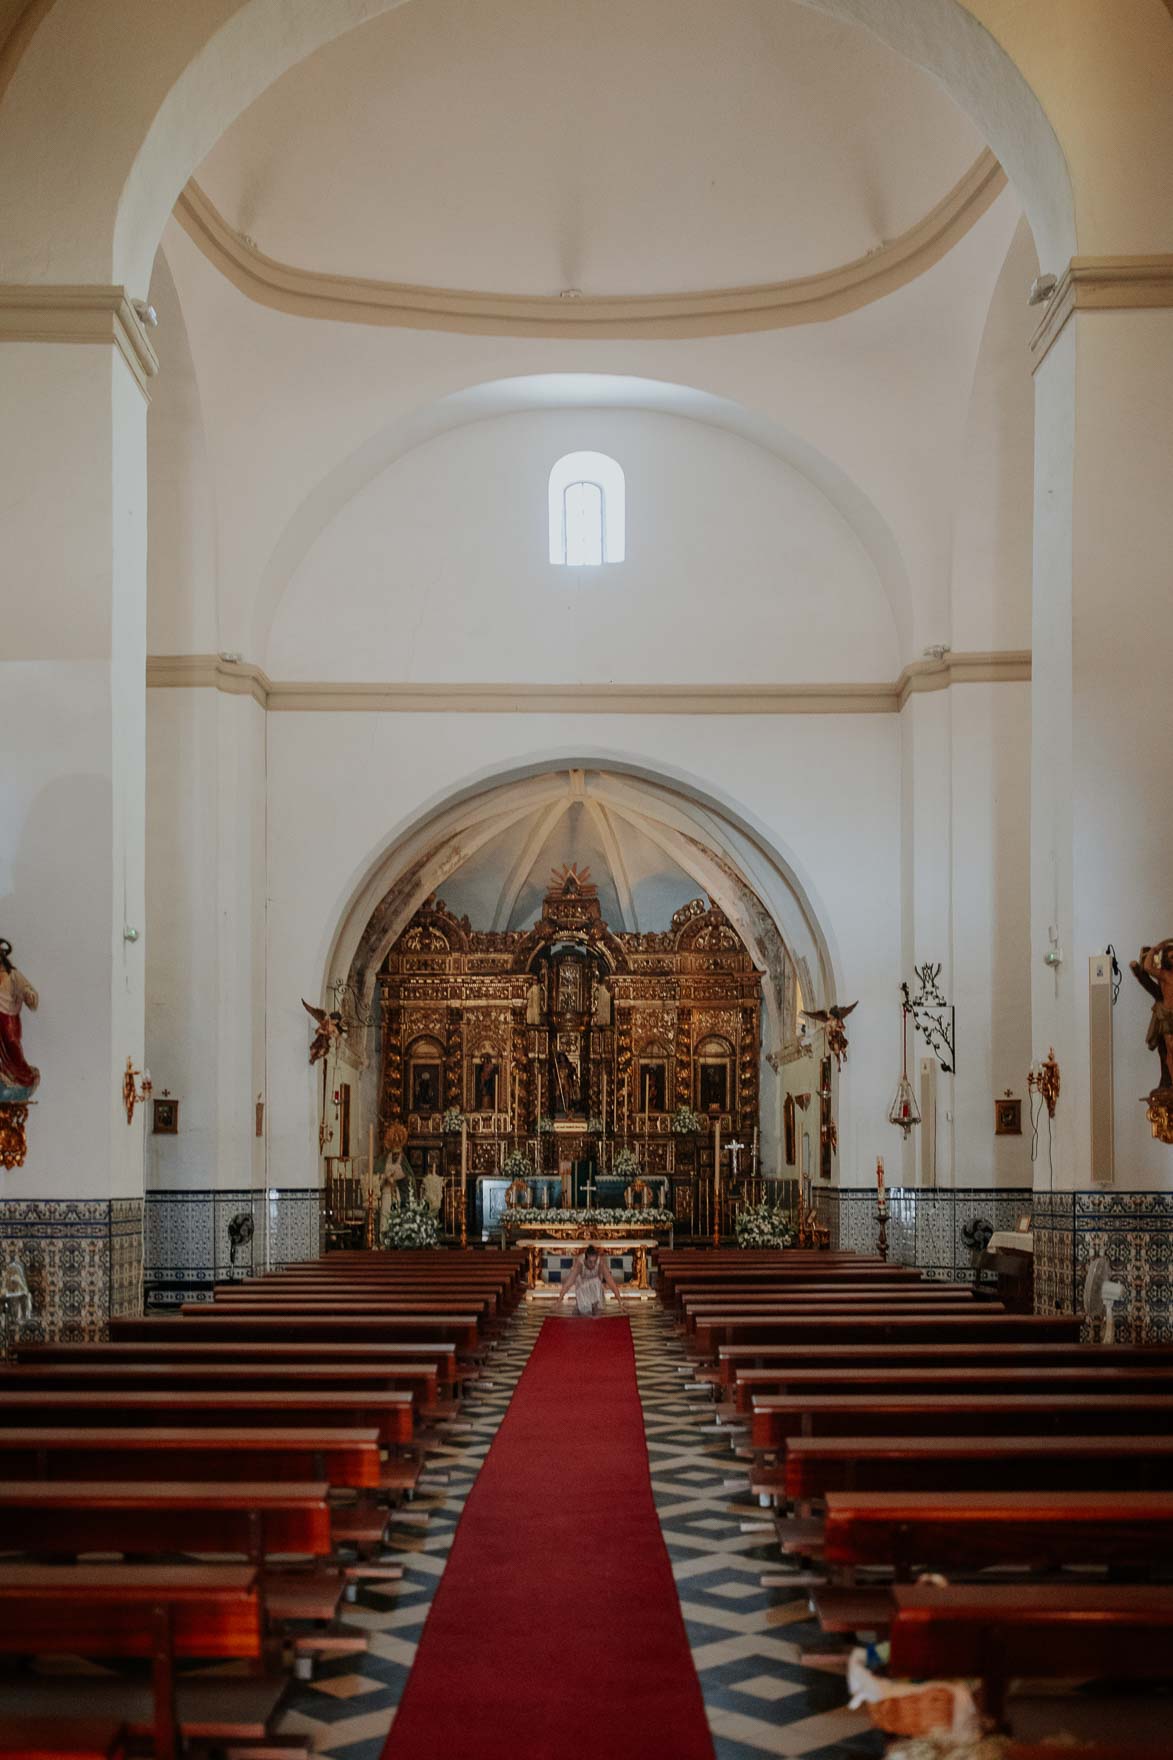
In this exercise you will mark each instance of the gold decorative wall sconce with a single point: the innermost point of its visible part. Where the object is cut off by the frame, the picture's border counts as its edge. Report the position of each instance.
(136, 1090)
(1044, 1080)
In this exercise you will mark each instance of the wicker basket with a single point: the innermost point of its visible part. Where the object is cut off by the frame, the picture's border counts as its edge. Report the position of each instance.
(914, 1714)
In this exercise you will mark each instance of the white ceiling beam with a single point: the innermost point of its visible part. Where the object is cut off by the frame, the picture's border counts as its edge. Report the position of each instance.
(543, 825)
(618, 867)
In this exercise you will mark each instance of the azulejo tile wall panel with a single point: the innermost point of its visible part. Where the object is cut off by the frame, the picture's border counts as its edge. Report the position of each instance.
(82, 1258)
(188, 1236)
(924, 1226)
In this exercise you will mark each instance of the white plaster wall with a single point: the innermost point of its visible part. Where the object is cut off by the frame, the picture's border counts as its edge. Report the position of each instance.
(181, 599)
(994, 522)
(73, 463)
(991, 928)
(737, 568)
(206, 934)
(341, 786)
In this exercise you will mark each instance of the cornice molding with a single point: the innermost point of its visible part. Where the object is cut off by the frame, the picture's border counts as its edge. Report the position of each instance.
(1103, 284)
(239, 678)
(52, 313)
(812, 299)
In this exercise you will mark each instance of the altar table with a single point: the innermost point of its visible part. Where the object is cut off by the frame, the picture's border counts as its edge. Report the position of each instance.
(609, 1244)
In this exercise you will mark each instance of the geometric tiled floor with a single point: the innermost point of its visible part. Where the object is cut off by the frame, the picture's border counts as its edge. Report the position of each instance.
(745, 1640)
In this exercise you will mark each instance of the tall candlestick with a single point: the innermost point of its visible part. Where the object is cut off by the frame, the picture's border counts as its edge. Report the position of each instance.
(717, 1182)
(464, 1182)
(880, 1176)
(755, 1151)
(370, 1159)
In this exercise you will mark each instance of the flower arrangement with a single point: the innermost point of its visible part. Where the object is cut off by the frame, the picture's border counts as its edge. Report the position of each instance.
(686, 1122)
(607, 1220)
(517, 1165)
(411, 1224)
(763, 1225)
(626, 1165)
(453, 1120)
(544, 1125)
(595, 1126)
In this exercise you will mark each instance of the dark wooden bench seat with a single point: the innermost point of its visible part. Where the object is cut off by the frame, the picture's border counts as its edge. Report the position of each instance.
(1097, 1376)
(255, 1520)
(460, 1330)
(388, 1414)
(972, 1326)
(157, 1613)
(1004, 1631)
(971, 1530)
(184, 1348)
(52, 1738)
(1029, 1353)
(419, 1380)
(777, 1418)
(816, 1465)
(343, 1458)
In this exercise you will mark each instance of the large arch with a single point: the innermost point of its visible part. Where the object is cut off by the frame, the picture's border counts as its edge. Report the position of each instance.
(741, 867)
(102, 88)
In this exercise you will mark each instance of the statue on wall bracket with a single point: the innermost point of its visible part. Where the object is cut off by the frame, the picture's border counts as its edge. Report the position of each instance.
(18, 1078)
(1153, 971)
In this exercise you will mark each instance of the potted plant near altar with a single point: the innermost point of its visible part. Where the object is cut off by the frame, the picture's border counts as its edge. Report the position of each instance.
(686, 1122)
(763, 1225)
(411, 1223)
(517, 1165)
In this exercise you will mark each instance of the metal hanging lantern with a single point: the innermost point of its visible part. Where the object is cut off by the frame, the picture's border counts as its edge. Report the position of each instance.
(904, 1110)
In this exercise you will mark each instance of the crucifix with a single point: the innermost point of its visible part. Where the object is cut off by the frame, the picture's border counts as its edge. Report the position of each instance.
(589, 1188)
(734, 1149)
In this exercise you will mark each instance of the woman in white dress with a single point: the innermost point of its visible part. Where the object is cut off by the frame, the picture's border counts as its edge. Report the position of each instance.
(589, 1276)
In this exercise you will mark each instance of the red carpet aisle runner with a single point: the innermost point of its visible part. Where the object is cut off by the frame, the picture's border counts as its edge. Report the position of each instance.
(556, 1628)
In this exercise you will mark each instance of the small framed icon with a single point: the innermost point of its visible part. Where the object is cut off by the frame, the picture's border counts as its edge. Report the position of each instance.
(165, 1116)
(1008, 1117)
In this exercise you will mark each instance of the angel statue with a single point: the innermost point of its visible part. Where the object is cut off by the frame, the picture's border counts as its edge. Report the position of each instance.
(1153, 971)
(330, 1029)
(18, 1078)
(831, 1020)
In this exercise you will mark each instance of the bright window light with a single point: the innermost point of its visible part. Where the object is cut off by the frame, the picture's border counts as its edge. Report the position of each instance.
(587, 504)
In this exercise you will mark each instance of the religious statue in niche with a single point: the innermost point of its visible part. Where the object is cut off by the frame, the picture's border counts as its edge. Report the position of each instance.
(601, 1004)
(484, 1084)
(654, 1087)
(330, 1029)
(425, 1087)
(396, 1169)
(1153, 971)
(18, 1078)
(568, 1098)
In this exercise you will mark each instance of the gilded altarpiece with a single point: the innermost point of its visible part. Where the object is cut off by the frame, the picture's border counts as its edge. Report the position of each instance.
(572, 1041)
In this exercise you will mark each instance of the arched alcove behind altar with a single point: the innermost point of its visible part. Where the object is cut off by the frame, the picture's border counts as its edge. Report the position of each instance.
(661, 858)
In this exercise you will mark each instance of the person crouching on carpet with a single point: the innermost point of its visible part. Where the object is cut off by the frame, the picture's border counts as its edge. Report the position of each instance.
(587, 1278)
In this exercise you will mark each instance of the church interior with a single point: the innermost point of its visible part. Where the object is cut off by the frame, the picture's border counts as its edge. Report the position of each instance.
(586, 939)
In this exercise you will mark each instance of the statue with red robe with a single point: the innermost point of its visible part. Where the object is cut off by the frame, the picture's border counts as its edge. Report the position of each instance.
(18, 1078)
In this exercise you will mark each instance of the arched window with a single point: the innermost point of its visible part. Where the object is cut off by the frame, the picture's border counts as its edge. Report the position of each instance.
(588, 512)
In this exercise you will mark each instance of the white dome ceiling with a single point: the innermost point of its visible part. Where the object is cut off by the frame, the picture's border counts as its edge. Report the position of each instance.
(532, 146)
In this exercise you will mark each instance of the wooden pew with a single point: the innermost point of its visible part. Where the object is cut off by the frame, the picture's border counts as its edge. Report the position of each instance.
(971, 1327)
(460, 1330)
(778, 1418)
(1099, 1375)
(256, 1520)
(387, 1414)
(344, 1458)
(817, 1465)
(186, 1348)
(956, 1530)
(62, 1738)
(160, 1613)
(418, 1380)
(1005, 1631)
(1032, 1353)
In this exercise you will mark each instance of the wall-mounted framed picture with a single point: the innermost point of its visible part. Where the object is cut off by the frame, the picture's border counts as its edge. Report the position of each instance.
(165, 1116)
(1007, 1117)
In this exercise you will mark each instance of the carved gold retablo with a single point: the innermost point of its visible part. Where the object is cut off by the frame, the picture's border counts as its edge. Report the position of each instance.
(13, 1141)
(1160, 1114)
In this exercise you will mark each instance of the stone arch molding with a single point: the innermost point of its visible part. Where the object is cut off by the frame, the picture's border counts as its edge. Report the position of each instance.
(757, 885)
(102, 88)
